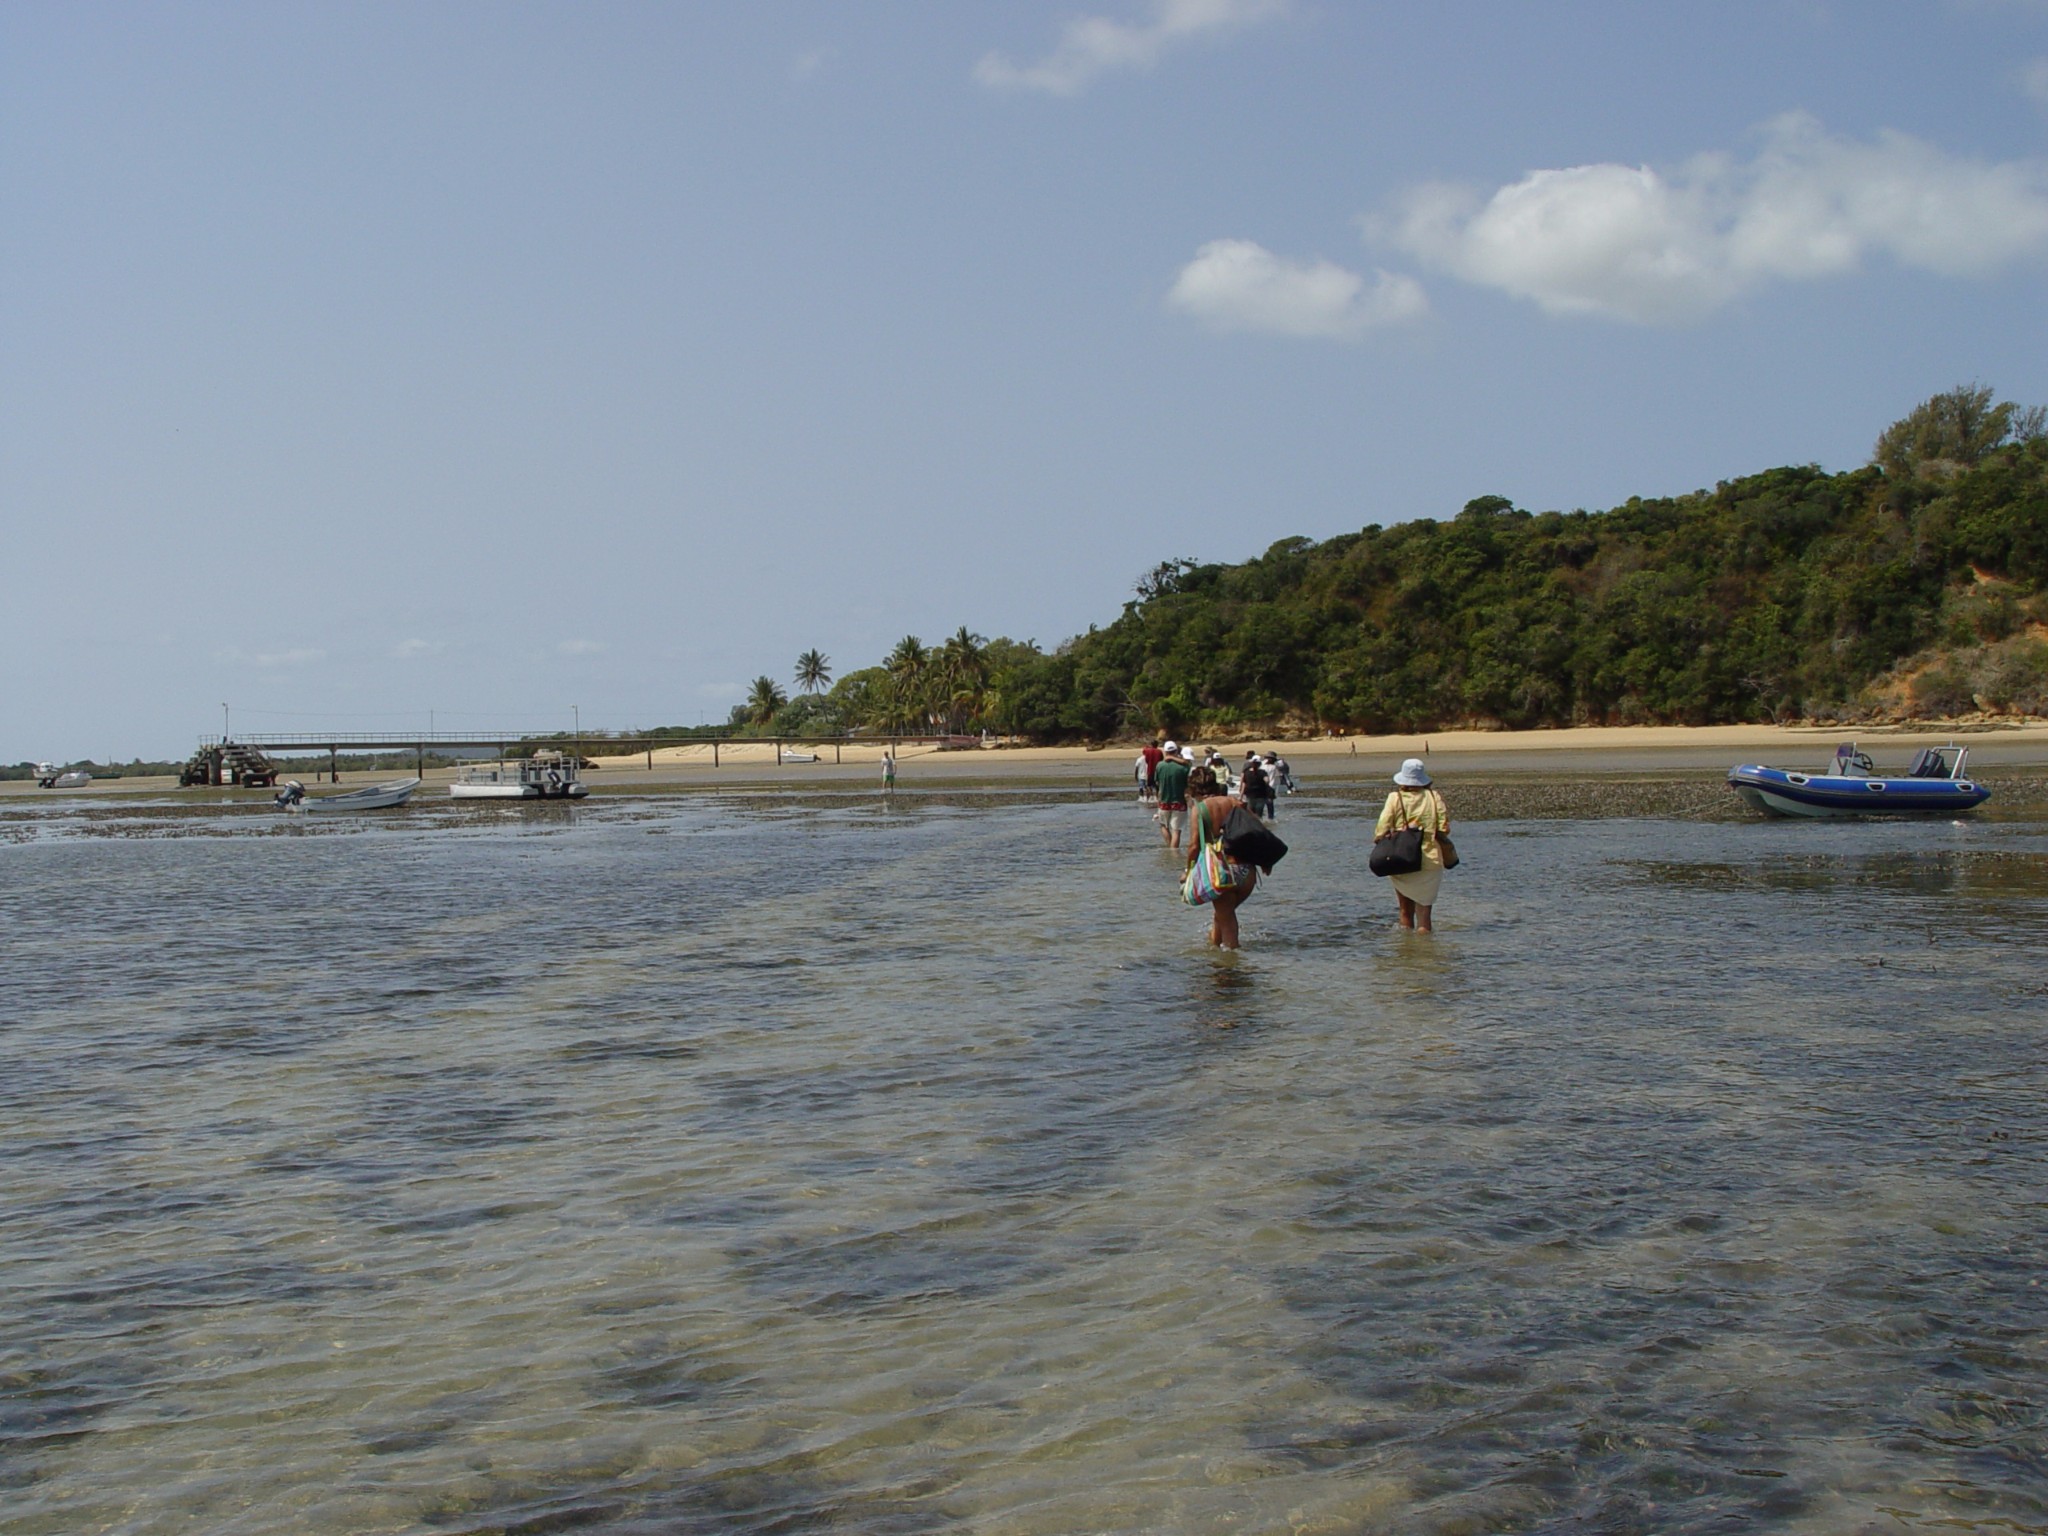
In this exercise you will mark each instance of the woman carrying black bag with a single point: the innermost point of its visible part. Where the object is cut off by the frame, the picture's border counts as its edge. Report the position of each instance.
(1413, 804)
(1208, 811)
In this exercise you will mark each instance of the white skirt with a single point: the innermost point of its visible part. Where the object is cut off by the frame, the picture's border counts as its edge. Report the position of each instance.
(1421, 886)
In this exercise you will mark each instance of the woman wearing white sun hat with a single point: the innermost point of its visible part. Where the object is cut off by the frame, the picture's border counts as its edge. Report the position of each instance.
(1415, 804)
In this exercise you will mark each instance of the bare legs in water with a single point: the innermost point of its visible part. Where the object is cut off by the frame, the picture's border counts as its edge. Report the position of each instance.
(1223, 913)
(1413, 915)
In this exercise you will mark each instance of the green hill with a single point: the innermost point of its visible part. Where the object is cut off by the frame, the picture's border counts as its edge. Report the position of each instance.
(1915, 584)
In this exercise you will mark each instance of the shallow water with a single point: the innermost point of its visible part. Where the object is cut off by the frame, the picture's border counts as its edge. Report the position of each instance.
(758, 1164)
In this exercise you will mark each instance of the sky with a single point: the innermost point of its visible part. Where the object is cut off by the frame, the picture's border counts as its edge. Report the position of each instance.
(524, 365)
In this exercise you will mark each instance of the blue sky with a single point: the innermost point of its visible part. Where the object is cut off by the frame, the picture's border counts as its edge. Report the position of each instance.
(499, 360)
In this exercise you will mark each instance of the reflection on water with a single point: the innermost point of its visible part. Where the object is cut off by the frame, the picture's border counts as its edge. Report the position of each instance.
(763, 1165)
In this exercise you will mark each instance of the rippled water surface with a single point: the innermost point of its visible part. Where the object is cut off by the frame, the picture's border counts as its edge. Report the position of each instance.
(780, 1164)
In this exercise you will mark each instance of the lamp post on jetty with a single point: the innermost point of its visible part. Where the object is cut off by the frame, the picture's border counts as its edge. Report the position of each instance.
(578, 713)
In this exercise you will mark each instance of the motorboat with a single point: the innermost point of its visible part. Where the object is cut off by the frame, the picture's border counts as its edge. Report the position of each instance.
(798, 757)
(375, 797)
(50, 776)
(1933, 784)
(543, 776)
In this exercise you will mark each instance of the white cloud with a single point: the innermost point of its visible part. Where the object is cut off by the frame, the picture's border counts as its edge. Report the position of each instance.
(405, 650)
(1634, 244)
(1093, 45)
(1238, 285)
(580, 647)
(299, 657)
(2034, 80)
(808, 64)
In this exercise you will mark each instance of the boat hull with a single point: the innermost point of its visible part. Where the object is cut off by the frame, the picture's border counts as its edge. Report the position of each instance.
(378, 797)
(1781, 792)
(512, 789)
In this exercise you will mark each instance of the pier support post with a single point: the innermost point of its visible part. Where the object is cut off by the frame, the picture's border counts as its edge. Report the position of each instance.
(333, 765)
(714, 751)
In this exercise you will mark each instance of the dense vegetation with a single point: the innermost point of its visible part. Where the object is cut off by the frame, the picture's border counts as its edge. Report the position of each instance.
(1918, 584)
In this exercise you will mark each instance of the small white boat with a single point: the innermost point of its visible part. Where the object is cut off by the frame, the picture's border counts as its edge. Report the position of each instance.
(376, 797)
(50, 776)
(798, 757)
(544, 776)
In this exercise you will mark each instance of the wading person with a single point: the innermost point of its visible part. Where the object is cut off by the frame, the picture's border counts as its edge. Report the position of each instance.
(1256, 785)
(1170, 780)
(1414, 803)
(1208, 809)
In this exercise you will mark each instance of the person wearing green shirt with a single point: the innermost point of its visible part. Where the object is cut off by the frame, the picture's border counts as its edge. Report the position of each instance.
(1172, 781)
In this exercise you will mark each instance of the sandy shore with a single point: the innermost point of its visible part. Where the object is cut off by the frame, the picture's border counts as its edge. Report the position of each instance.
(1585, 750)
(1710, 741)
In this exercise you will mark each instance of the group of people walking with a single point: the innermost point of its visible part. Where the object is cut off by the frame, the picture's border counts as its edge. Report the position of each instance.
(1195, 800)
(1260, 781)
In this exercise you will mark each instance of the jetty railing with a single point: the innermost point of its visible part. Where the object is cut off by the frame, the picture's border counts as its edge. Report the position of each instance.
(620, 744)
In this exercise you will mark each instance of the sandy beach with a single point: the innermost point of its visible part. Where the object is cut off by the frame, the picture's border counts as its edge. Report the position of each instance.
(1584, 750)
(1580, 748)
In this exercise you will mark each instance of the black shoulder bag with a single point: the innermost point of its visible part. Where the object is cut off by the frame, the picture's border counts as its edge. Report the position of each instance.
(1249, 840)
(1399, 852)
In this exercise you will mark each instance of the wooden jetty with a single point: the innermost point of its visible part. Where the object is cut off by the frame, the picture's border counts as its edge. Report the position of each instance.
(247, 760)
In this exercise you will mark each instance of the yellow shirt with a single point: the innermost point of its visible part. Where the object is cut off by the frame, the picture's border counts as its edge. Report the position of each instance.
(1423, 808)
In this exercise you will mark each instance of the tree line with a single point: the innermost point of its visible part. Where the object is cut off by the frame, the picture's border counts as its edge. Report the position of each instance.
(1916, 584)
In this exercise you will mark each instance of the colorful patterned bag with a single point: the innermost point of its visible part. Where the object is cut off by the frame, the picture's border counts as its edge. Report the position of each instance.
(1208, 876)
(1211, 872)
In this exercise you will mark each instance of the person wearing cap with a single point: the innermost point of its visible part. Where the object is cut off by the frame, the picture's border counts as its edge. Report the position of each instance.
(1256, 786)
(1170, 781)
(1414, 803)
(1149, 759)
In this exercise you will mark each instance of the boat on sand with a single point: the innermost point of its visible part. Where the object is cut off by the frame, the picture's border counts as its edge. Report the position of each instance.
(543, 776)
(375, 797)
(1932, 785)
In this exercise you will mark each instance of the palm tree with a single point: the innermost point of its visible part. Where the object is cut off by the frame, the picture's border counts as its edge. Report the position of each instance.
(765, 699)
(813, 671)
(960, 657)
(908, 659)
(910, 670)
(873, 703)
(963, 675)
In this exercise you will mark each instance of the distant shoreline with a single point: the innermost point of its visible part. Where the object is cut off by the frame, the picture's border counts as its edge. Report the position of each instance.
(1584, 749)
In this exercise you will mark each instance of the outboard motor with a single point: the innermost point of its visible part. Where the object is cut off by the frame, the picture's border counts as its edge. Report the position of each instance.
(290, 795)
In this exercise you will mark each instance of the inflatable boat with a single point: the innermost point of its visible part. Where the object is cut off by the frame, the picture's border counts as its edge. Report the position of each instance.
(1933, 785)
